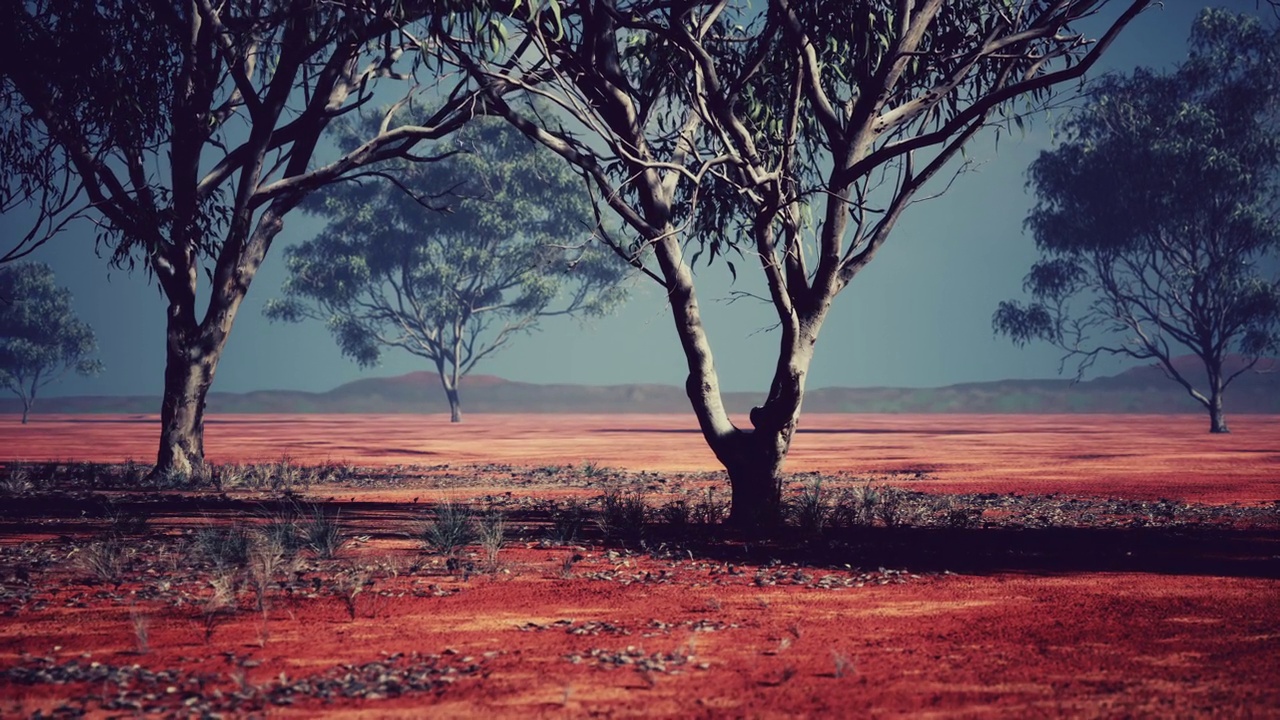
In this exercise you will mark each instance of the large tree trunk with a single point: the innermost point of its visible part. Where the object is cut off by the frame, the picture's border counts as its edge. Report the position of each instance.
(190, 362)
(753, 457)
(194, 349)
(449, 381)
(1217, 419)
(26, 410)
(455, 405)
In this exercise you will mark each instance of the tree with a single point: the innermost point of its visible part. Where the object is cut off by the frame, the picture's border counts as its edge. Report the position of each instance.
(452, 287)
(792, 137)
(186, 132)
(40, 336)
(1157, 216)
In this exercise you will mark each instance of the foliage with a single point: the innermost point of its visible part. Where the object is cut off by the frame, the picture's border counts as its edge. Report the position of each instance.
(623, 515)
(41, 339)
(1157, 214)
(452, 284)
(450, 528)
(790, 137)
(322, 533)
(183, 134)
(567, 521)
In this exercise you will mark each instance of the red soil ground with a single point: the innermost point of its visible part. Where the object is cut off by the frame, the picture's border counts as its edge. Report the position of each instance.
(1134, 456)
(1081, 639)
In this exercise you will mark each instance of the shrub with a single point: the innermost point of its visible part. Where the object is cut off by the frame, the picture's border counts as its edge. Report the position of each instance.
(266, 554)
(493, 532)
(710, 510)
(18, 481)
(676, 513)
(591, 470)
(857, 506)
(897, 508)
(104, 560)
(349, 584)
(623, 515)
(450, 528)
(810, 509)
(226, 549)
(567, 521)
(323, 534)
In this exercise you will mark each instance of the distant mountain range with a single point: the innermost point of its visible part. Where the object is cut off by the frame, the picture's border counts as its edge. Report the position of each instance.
(1138, 390)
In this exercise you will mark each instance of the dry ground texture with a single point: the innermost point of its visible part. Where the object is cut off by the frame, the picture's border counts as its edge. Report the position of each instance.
(931, 566)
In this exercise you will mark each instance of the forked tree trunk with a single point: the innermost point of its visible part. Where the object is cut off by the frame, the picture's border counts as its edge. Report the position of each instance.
(192, 350)
(26, 410)
(752, 457)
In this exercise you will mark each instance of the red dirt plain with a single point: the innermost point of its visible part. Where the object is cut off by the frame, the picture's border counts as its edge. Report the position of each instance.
(1169, 621)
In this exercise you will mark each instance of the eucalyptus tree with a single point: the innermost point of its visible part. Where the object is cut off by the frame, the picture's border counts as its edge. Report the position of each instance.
(41, 339)
(186, 132)
(455, 284)
(1157, 216)
(794, 134)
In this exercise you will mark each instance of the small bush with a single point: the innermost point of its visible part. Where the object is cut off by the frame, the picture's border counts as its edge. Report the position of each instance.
(710, 510)
(591, 470)
(567, 521)
(322, 533)
(450, 528)
(677, 513)
(856, 506)
(227, 549)
(810, 509)
(350, 583)
(266, 554)
(105, 560)
(623, 515)
(492, 530)
(18, 481)
(897, 508)
(125, 520)
(220, 604)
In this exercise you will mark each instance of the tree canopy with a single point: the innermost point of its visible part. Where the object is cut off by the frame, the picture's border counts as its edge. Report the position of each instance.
(187, 132)
(41, 339)
(1157, 215)
(453, 284)
(788, 136)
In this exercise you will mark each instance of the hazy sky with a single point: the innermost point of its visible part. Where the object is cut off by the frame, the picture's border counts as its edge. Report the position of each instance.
(919, 315)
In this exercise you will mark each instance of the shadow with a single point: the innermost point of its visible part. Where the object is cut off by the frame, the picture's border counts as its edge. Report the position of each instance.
(805, 431)
(1191, 550)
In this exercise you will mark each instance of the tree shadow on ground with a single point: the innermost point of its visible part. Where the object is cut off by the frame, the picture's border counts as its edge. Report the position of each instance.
(1194, 549)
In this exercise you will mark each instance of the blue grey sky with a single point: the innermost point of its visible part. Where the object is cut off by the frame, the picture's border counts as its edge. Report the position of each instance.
(918, 316)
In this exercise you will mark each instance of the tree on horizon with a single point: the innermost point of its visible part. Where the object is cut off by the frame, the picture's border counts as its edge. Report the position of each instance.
(1158, 217)
(41, 339)
(452, 285)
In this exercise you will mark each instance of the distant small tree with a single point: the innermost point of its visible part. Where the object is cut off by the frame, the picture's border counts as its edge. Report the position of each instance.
(455, 284)
(1157, 216)
(40, 336)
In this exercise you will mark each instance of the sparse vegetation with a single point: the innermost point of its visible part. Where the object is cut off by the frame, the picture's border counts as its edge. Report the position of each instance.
(567, 521)
(623, 515)
(450, 528)
(492, 530)
(219, 604)
(104, 560)
(810, 510)
(322, 533)
(17, 481)
(350, 583)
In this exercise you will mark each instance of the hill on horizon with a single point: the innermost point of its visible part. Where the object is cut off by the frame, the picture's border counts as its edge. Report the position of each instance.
(1142, 389)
